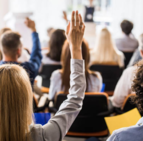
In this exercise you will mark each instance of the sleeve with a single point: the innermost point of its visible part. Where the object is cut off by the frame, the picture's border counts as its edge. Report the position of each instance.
(59, 125)
(55, 84)
(122, 89)
(100, 80)
(113, 137)
(36, 56)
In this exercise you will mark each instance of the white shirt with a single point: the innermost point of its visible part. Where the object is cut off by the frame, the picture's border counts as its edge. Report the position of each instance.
(123, 87)
(95, 83)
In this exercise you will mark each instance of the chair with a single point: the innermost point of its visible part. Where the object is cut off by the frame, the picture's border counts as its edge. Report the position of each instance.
(46, 73)
(127, 105)
(90, 121)
(128, 56)
(110, 74)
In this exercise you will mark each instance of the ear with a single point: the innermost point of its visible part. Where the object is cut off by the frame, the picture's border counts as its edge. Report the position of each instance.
(141, 53)
(19, 51)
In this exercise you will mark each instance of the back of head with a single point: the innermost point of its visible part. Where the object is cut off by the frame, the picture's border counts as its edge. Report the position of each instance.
(56, 43)
(15, 103)
(127, 27)
(141, 42)
(2, 31)
(65, 60)
(10, 42)
(105, 51)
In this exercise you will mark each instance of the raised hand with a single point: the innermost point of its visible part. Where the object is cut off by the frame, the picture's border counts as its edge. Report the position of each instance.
(74, 33)
(30, 24)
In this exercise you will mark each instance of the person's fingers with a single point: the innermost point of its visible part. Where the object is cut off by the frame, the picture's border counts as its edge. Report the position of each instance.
(83, 27)
(73, 20)
(77, 20)
(68, 28)
(80, 21)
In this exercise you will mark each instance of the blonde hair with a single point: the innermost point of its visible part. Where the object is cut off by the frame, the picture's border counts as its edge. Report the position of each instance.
(106, 52)
(15, 103)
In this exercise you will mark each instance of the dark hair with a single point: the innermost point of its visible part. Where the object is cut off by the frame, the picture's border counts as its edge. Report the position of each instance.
(10, 42)
(137, 86)
(65, 60)
(56, 43)
(126, 26)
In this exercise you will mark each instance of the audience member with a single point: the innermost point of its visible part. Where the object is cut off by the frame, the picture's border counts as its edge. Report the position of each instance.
(127, 43)
(133, 133)
(60, 78)
(106, 52)
(12, 49)
(55, 45)
(16, 96)
(123, 87)
(24, 55)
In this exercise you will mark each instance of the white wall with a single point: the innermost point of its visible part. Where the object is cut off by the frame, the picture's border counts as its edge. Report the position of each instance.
(4, 8)
(47, 13)
(127, 9)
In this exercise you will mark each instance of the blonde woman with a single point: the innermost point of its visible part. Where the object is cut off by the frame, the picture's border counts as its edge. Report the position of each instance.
(16, 97)
(106, 52)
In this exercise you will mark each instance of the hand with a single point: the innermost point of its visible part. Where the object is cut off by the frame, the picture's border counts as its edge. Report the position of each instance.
(65, 16)
(30, 24)
(75, 34)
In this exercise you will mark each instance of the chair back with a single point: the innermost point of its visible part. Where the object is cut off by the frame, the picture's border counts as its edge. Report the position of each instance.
(110, 75)
(88, 120)
(46, 73)
(128, 104)
(128, 56)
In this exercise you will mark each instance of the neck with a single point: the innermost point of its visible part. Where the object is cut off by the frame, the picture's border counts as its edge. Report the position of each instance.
(9, 59)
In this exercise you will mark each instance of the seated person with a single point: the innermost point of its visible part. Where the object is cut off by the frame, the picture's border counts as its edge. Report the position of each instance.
(55, 48)
(133, 133)
(24, 55)
(16, 115)
(12, 48)
(60, 78)
(106, 53)
(123, 87)
(127, 43)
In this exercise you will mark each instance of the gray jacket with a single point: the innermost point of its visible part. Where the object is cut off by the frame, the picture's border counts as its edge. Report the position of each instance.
(58, 126)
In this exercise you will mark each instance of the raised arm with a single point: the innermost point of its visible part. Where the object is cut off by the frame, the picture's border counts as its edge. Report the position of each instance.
(36, 56)
(59, 125)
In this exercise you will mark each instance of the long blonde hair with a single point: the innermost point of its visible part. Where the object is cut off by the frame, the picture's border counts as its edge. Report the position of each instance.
(15, 103)
(106, 52)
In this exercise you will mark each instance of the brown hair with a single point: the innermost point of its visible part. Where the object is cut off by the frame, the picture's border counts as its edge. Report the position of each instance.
(2, 31)
(137, 86)
(127, 26)
(10, 43)
(65, 60)
(15, 103)
(55, 44)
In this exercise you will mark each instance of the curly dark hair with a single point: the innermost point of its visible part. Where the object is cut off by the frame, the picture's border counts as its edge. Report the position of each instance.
(137, 86)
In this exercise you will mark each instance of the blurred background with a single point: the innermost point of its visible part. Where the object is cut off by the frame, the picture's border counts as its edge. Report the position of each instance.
(49, 13)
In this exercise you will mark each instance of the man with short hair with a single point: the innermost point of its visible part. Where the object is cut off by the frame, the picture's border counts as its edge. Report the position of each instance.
(12, 49)
(127, 43)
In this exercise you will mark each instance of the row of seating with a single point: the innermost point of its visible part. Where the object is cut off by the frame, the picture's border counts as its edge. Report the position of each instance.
(90, 121)
(110, 74)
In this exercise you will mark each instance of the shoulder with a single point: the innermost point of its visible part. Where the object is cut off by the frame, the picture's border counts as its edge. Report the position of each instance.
(95, 75)
(56, 74)
(130, 70)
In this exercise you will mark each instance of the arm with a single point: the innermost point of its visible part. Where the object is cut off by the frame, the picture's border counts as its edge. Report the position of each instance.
(59, 125)
(36, 56)
(123, 88)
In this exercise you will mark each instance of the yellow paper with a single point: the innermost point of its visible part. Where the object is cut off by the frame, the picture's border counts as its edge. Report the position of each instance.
(125, 120)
